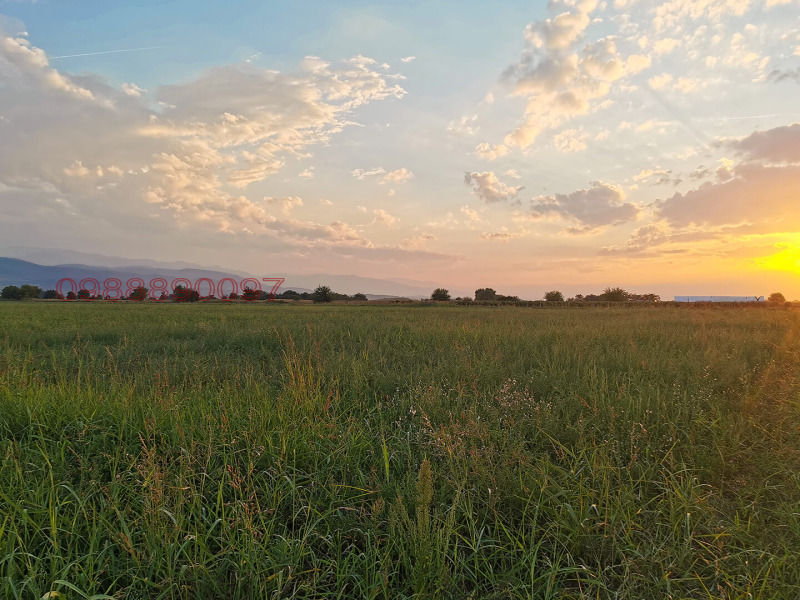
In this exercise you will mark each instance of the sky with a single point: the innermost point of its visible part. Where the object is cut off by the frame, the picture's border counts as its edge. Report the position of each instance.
(524, 146)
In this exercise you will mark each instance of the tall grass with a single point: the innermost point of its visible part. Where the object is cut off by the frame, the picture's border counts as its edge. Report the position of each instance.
(239, 451)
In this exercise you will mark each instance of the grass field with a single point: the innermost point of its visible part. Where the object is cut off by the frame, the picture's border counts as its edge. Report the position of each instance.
(275, 451)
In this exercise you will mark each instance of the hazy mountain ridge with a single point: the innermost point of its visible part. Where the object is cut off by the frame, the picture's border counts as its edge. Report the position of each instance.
(15, 271)
(61, 256)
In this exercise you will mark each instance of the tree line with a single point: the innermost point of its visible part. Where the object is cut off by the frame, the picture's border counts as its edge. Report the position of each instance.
(609, 294)
(180, 294)
(324, 294)
(615, 294)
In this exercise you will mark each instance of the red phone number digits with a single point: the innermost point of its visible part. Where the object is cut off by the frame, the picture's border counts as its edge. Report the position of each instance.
(182, 289)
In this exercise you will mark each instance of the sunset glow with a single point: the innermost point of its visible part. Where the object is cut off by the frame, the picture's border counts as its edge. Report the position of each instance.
(788, 259)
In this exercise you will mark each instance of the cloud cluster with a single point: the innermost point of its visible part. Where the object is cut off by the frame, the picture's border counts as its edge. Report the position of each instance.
(560, 75)
(489, 188)
(676, 16)
(657, 233)
(464, 126)
(384, 218)
(588, 209)
(754, 197)
(587, 57)
(489, 152)
(417, 241)
(778, 75)
(79, 142)
(502, 236)
(655, 176)
(397, 176)
(260, 117)
(780, 145)
(761, 191)
(384, 176)
(571, 140)
(472, 215)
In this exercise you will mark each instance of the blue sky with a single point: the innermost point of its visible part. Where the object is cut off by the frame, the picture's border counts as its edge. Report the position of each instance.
(524, 146)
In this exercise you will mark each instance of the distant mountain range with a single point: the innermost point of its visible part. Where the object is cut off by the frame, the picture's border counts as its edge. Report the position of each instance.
(62, 256)
(18, 271)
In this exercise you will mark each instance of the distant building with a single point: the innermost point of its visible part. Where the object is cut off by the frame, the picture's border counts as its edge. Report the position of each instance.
(719, 298)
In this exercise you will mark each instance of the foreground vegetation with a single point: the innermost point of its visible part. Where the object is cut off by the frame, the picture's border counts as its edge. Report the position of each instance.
(276, 451)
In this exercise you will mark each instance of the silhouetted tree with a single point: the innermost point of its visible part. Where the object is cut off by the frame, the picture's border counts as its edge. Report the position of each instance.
(184, 294)
(30, 291)
(485, 294)
(554, 296)
(360, 297)
(51, 295)
(250, 294)
(291, 295)
(11, 292)
(776, 297)
(84, 295)
(138, 294)
(644, 297)
(616, 294)
(322, 294)
(440, 294)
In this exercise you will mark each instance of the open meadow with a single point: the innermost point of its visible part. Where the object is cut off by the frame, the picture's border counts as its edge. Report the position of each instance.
(276, 451)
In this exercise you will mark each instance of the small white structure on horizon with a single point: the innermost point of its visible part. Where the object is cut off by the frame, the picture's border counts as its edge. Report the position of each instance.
(719, 298)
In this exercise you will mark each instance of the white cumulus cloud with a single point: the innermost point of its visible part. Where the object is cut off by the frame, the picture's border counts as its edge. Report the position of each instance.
(489, 188)
(489, 152)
